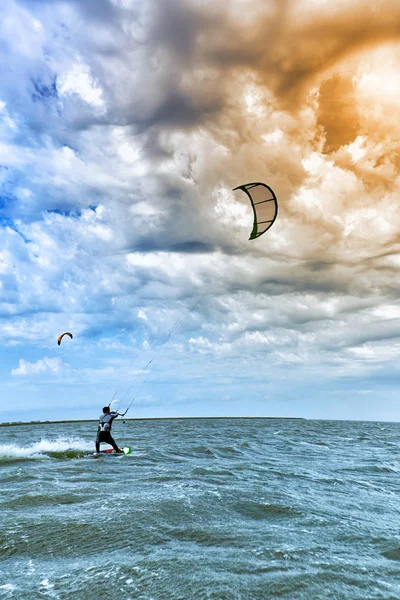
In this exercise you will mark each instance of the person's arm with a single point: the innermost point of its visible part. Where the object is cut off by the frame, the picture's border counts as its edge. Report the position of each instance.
(114, 415)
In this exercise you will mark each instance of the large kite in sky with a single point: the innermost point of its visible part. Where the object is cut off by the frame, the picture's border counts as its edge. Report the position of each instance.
(265, 206)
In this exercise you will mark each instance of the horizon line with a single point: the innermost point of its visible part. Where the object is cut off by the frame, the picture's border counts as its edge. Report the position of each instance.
(47, 422)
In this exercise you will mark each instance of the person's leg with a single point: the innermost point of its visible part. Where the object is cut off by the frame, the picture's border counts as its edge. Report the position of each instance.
(110, 440)
(98, 443)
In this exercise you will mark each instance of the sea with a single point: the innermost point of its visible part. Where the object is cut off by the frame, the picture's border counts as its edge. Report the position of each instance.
(207, 509)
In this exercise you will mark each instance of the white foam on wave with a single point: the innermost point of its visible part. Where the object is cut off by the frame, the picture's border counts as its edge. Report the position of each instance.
(46, 446)
(7, 587)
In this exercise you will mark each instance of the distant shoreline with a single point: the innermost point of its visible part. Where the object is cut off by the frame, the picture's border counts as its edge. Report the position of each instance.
(17, 423)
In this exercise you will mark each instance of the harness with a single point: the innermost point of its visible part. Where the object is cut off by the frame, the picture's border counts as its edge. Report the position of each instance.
(103, 424)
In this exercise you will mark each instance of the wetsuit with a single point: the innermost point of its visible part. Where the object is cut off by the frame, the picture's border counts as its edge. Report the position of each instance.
(104, 431)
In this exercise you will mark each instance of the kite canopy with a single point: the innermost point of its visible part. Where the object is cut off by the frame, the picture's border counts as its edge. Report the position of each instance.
(62, 335)
(265, 206)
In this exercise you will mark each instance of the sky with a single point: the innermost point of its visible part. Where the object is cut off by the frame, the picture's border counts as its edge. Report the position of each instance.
(124, 127)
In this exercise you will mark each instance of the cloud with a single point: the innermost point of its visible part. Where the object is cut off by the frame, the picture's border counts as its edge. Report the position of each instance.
(47, 365)
(337, 113)
(121, 143)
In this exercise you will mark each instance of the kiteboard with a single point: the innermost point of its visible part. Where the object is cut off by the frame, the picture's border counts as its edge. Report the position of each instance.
(111, 451)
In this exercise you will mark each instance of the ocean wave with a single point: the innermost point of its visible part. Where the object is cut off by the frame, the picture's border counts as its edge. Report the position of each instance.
(255, 510)
(205, 537)
(393, 554)
(372, 469)
(8, 588)
(33, 500)
(206, 472)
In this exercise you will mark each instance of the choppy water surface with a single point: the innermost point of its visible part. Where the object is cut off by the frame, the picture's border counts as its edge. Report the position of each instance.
(213, 509)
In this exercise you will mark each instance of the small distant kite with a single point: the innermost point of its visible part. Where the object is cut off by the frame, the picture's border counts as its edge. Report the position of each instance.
(265, 206)
(62, 335)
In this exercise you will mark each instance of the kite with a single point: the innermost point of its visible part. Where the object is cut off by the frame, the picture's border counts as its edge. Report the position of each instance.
(265, 206)
(62, 335)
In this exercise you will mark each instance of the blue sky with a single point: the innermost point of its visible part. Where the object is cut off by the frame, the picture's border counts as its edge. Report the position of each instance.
(124, 126)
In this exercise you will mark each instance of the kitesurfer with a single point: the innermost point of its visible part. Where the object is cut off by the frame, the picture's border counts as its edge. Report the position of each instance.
(104, 429)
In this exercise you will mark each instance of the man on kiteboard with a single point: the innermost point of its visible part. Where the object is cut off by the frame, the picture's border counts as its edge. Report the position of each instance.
(104, 429)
